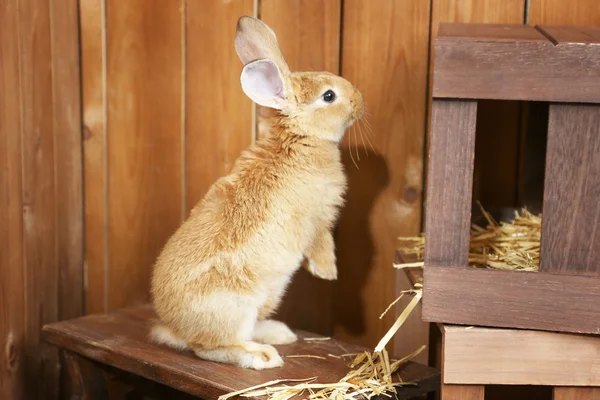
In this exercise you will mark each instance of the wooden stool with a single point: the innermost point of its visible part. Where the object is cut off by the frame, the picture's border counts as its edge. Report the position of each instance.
(109, 356)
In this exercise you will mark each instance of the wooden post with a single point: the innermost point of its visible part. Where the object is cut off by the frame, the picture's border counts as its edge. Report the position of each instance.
(576, 393)
(450, 182)
(463, 392)
(570, 233)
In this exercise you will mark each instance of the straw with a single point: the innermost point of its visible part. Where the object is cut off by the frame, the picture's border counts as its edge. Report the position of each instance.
(512, 246)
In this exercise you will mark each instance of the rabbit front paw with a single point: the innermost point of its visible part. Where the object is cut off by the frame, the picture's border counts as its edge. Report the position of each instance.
(327, 271)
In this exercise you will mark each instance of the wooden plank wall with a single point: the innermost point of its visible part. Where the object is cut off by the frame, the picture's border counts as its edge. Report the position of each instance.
(165, 117)
(41, 241)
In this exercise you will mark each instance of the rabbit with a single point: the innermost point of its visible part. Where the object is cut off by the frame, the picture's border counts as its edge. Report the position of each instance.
(222, 274)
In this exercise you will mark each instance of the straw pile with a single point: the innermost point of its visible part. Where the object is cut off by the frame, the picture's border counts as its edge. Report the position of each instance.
(370, 375)
(513, 246)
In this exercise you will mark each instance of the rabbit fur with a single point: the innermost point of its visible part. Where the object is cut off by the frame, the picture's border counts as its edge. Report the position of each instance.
(223, 273)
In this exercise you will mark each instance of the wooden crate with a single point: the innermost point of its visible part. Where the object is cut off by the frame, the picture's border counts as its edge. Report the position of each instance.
(558, 65)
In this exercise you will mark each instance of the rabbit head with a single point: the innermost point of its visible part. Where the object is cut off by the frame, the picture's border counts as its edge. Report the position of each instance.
(309, 103)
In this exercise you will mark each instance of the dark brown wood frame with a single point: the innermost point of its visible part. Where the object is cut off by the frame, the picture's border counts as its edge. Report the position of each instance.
(560, 65)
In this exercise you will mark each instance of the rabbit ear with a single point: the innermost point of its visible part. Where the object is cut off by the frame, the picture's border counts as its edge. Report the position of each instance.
(256, 41)
(263, 83)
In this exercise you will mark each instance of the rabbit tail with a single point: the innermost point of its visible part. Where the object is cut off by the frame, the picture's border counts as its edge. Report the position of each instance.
(162, 334)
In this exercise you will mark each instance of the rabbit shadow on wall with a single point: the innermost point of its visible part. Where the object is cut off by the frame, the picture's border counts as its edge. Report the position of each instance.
(355, 245)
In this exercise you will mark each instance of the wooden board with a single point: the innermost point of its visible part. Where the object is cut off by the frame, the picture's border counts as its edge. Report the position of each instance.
(554, 12)
(66, 108)
(519, 357)
(530, 68)
(384, 200)
(576, 393)
(308, 33)
(13, 374)
(527, 300)
(462, 392)
(40, 190)
(40, 269)
(93, 96)
(218, 116)
(120, 340)
(570, 235)
(144, 145)
(449, 182)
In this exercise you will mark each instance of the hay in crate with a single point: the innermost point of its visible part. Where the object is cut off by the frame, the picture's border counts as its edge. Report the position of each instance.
(513, 246)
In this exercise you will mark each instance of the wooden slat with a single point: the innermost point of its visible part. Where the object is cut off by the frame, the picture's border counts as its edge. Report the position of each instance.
(462, 392)
(120, 340)
(499, 69)
(40, 267)
(144, 101)
(218, 119)
(13, 378)
(525, 300)
(92, 24)
(484, 32)
(573, 34)
(384, 198)
(576, 393)
(570, 234)
(449, 182)
(308, 33)
(552, 12)
(68, 152)
(519, 357)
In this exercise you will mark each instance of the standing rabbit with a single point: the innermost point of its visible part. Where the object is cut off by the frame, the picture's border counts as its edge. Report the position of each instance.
(222, 274)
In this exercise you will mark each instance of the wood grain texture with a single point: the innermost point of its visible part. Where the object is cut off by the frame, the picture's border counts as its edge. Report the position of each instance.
(462, 392)
(13, 378)
(552, 12)
(120, 340)
(384, 54)
(487, 68)
(476, 355)
(144, 98)
(525, 300)
(218, 116)
(308, 33)
(40, 267)
(449, 182)
(68, 156)
(93, 68)
(570, 233)
(576, 393)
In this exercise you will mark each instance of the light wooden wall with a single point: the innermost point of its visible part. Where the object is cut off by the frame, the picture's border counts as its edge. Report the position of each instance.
(41, 241)
(164, 116)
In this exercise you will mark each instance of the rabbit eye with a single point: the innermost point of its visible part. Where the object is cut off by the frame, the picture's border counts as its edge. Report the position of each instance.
(328, 96)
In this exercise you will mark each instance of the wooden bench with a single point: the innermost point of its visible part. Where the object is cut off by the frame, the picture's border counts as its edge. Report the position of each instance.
(109, 356)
